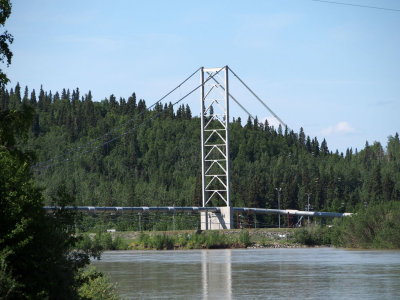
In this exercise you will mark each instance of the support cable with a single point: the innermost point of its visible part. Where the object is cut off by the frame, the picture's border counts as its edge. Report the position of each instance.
(258, 98)
(88, 144)
(233, 98)
(237, 102)
(358, 5)
(128, 131)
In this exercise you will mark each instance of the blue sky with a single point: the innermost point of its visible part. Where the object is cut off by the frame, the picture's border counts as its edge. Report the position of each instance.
(332, 69)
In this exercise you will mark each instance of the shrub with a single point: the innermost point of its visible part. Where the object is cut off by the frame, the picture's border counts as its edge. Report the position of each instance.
(161, 242)
(215, 240)
(377, 226)
(144, 239)
(313, 235)
(94, 285)
(244, 238)
(119, 243)
(196, 240)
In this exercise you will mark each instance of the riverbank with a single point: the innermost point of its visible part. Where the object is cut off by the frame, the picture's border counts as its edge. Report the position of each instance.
(319, 273)
(374, 227)
(192, 239)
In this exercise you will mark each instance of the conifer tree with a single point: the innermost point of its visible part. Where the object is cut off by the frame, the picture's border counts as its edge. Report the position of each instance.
(375, 184)
(132, 104)
(4, 99)
(18, 92)
(64, 95)
(324, 148)
(142, 106)
(25, 100)
(280, 129)
(33, 100)
(302, 137)
(308, 144)
(249, 124)
(188, 113)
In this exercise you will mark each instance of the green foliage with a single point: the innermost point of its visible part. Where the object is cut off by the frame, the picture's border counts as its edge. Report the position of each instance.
(38, 254)
(95, 244)
(204, 239)
(215, 240)
(14, 125)
(197, 240)
(156, 241)
(162, 242)
(313, 235)
(38, 257)
(36, 249)
(157, 164)
(377, 226)
(5, 39)
(244, 238)
(144, 239)
(94, 285)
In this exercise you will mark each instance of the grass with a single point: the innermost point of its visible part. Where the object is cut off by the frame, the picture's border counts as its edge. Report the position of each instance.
(377, 226)
(190, 239)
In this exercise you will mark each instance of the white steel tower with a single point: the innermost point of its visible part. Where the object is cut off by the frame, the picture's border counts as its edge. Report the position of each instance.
(215, 146)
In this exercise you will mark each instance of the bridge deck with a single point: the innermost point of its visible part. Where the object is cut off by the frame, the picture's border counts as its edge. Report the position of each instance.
(173, 209)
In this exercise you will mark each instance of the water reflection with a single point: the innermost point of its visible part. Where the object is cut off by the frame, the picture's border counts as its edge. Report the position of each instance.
(255, 274)
(216, 274)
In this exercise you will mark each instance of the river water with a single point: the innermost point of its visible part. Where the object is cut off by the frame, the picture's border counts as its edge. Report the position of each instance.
(301, 273)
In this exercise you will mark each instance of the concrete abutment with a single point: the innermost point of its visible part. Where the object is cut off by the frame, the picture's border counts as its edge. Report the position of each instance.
(217, 220)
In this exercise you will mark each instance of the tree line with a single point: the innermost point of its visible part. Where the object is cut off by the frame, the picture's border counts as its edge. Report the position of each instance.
(158, 162)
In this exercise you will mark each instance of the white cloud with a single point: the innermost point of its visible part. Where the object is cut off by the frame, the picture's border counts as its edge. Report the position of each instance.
(271, 121)
(342, 127)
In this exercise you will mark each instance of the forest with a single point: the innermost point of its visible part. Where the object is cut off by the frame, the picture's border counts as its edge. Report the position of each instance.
(119, 152)
(67, 148)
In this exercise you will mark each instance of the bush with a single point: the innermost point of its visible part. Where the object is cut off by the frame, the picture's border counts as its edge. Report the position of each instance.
(182, 240)
(215, 240)
(313, 235)
(244, 238)
(144, 239)
(94, 285)
(120, 244)
(158, 241)
(100, 242)
(161, 242)
(377, 226)
(196, 240)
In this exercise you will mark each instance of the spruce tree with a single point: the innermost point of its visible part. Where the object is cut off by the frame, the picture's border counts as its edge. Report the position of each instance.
(33, 100)
(302, 136)
(25, 100)
(324, 148)
(132, 104)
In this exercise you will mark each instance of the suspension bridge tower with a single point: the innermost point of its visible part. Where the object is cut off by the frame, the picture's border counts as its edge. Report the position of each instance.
(215, 160)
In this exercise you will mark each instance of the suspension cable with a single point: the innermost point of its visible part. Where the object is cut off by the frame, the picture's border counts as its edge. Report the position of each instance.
(52, 163)
(233, 98)
(258, 98)
(88, 144)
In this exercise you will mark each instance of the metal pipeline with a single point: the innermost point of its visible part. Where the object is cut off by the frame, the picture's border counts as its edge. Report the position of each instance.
(143, 209)
(173, 209)
(292, 212)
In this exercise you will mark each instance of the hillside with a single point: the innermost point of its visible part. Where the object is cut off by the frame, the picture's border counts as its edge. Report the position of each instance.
(158, 162)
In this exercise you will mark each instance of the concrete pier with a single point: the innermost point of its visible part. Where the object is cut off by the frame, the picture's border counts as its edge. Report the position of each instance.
(222, 219)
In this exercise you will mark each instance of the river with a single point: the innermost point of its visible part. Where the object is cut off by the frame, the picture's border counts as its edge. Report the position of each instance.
(300, 273)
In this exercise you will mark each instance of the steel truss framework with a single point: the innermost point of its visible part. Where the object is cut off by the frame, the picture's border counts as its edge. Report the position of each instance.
(215, 136)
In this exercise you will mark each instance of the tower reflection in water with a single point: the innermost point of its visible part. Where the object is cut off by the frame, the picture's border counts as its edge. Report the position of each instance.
(216, 270)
